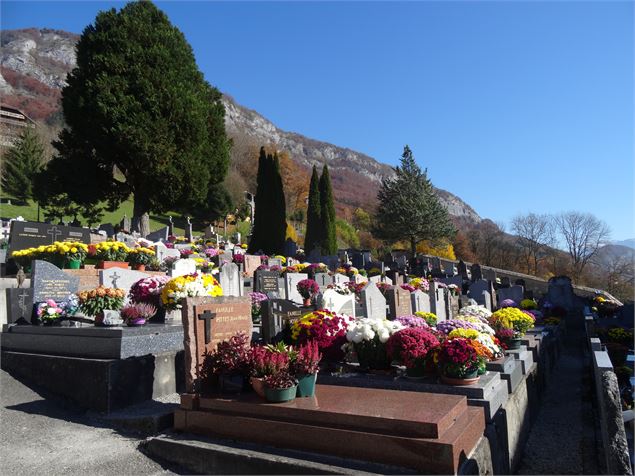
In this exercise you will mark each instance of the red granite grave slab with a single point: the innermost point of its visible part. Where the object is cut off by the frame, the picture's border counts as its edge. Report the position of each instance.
(424, 415)
(367, 424)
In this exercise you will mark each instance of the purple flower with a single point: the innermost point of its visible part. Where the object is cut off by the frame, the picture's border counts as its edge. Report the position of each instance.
(508, 303)
(412, 321)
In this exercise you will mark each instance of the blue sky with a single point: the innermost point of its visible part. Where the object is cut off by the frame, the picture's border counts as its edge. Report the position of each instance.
(513, 106)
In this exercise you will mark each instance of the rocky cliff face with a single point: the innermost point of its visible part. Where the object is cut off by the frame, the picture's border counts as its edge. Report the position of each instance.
(34, 64)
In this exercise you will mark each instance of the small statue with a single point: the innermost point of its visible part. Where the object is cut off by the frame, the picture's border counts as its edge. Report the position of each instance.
(20, 276)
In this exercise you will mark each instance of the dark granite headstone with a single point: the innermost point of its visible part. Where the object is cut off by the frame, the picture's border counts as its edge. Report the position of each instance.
(267, 282)
(505, 282)
(108, 228)
(19, 304)
(462, 270)
(477, 273)
(27, 234)
(278, 314)
(50, 282)
(357, 259)
(159, 235)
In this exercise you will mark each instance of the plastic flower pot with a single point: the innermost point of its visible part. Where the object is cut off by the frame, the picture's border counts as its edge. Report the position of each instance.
(306, 385)
(258, 384)
(512, 344)
(279, 395)
(74, 263)
(136, 322)
(452, 378)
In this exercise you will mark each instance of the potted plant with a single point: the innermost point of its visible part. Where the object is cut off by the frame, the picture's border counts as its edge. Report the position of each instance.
(189, 285)
(368, 337)
(458, 362)
(140, 257)
(263, 362)
(307, 288)
(280, 387)
(413, 347)
(137, 314)
(511, 318)
(112, 254)
(223, 370)
(429, 317)
(305, 368)
(324, 327)
(49, 312)
(96, 301)
(257, 301)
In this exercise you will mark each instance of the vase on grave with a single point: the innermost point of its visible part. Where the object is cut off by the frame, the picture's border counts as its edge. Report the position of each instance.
(307, 302)
(112, 264)
(512, 344)
(453, 378)
(139, 267)
(306, 385)
(280, 395)
(258, 384)
(74, 263)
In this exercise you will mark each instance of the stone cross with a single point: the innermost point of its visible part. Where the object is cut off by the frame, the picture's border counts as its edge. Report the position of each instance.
(54, 232)
(207, 317)
(115, 277)
(170, 226)
(5, 233)
(21, 301)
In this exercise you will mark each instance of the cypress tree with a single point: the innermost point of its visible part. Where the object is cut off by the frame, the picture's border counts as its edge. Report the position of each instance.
(258, 234)
(312, 236)
(21, 165)
(329, 235)
(279, 209)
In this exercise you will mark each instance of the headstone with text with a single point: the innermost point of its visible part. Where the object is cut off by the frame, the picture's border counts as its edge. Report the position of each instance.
(373, 302)
(50, 282)
(267, 283)
(399, 302)
(278, 314)
(27, 234)
(230, 280)
(120, 278)
(419, 301)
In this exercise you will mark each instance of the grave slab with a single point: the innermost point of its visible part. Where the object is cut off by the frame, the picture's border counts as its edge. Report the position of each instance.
(524, 356)
(510, 370)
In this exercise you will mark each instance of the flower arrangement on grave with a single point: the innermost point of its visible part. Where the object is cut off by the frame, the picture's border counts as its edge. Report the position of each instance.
(512, 318)
(341, 288)
(189, 285)
(356, 287)
(408, 287)
(148, 290)
(210, 252)
(112, 251)
(308, 288)
(238, 258)
(307, 359)
(96, 301)
(317, 268)
(225, 367)
(420, 283)
(351, 271)
(257, 301)
(429, 317)
(58, 253)
(243, 246)
(413, 347)
(528, 304)
(478, 324)
(486, 346)
(508, 303)
(186, 253)
(412, 321)
(383, 287)
(454, 289)
(367, 338)
(449, 325)
(137, 314)
(140, 257)
(49, 311)
(458, 359)
(326, 328)
(477, 311)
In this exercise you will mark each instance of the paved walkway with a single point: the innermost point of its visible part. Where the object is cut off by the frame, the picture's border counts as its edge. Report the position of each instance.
(562, 439)
(39, 436)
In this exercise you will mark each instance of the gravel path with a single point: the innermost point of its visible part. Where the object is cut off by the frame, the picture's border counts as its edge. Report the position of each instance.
(562, 439)
(39, 436)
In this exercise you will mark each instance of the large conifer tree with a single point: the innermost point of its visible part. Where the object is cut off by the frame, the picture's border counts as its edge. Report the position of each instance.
(20, 165)
(279, 210)
(258, 233)
(409, 208)
(312, 237)
(327, 211)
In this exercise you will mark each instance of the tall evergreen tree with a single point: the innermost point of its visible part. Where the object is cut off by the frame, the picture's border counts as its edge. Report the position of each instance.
(312, 237)
(137, 102)
(21, 165)
(327, 210)
(259, 231)
(279, 211)
(409, 208)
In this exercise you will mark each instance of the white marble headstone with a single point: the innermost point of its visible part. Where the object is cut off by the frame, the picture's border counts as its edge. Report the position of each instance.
(182, 267)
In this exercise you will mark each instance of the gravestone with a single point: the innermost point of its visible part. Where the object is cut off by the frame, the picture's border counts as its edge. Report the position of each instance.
(171, 226)
(437, 301)
(452, 306)
(108, 228)
(129, 240)
(399, 302)
(323, 280)
(209, 232)
(189, 236)
(387, 280)
(449, 269)
(358, 260)
(125, 223)
(27, 234)
(505, 282)
(206, 322)
(490, 275)
(375, 279)
(373, 302)
(402, 262)
(477, 290)
(274, 262)
(19, 304)
(119, 278)
(3, 256)
(360, 279)
(340, 278)
(456, 280)
(560, 293)
(159, 235)
(291, 281)
(290, 247)
(331, 261)
(230, 281)
(50, 282)
(395, 277)
(338, 303)
(515, 293)
(437, 272)
(267, 283)
(163, 252)
(419, 301)
(315, 256)
(342, 255)
(252, 262)
(462, 270)
(181, 267)
(278, 314)
(476, 272)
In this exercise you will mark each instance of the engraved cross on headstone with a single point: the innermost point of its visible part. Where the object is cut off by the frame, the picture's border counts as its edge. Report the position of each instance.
(331, 304)
(21, 302)
(114, 278)
(53, 232)
(5, 233)
(207, 316)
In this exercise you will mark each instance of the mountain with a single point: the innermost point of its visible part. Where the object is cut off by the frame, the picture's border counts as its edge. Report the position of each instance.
(630, 243)
(33, 67)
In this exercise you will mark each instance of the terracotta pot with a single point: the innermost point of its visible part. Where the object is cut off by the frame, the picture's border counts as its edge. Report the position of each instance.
(307, 302)
(459, 381)
(112, 264)
(139, 267)
(258, 384)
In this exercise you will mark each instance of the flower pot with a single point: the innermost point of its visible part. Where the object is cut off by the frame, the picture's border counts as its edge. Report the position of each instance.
(452, 378)
(512, 344)
(231, 383)
(74, 263)
(136, 322)
(306, 385)
(99, 319)
(139, 267)
(307, 302)
(258, 384)
(112, 264)
(279, 395)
